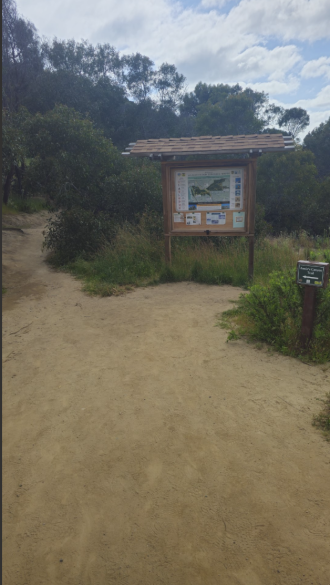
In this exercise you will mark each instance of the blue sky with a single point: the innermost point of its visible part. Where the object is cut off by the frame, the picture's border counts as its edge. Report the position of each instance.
(279, 46)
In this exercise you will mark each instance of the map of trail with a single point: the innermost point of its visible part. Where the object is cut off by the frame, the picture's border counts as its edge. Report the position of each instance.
(209, 189)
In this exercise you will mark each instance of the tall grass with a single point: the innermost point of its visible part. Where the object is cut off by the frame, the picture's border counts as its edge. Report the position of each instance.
(136, 257)
(28, 205)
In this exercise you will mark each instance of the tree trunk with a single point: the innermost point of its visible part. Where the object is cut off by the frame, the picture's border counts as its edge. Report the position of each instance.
(19, 172)
(7, 185)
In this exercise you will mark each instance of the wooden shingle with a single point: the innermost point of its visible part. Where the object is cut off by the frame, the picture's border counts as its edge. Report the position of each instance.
(248, 143)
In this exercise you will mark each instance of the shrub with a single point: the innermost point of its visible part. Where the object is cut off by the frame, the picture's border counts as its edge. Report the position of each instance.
(273, 314)
(77, 232)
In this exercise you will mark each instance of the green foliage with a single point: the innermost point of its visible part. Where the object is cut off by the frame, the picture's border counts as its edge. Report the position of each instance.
(133, 258)
(21, 58)
(135, 254)
(294, 120)
(70, 158)
(318, 141)
(236, 115)
(25, 205)
(288, 190)
(272, 313)
(14, 150)
(77, 232)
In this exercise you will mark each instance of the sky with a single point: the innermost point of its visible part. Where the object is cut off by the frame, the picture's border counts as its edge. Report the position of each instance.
(281, 47)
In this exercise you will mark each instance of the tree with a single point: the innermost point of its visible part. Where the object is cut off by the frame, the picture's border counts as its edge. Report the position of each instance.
(21, 57)
(287, 189)
(83, 59)
(318, 141)
(235, 116)
(13, 149)
(138, 76)
(294, 120)
(170, 86)
(70, 159)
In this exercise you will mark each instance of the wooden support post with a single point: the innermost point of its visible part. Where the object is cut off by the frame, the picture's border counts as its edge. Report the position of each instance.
(308, 315)
(251, 257)
(168, 255)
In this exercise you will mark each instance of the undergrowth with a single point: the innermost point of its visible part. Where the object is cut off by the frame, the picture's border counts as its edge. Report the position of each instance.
(135, 257)
(28, 205)
(272, 313)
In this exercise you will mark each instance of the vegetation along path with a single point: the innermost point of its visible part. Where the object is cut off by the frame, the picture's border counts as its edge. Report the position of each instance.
(141, 448)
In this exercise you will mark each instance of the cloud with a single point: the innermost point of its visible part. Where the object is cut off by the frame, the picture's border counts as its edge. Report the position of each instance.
(317, 68)
(304, 20)
(274, 87)
(213, 3)
(320, 102)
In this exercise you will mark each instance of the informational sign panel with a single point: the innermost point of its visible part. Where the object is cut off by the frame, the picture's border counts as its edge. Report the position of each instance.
(205, 197)
(209, 190)
(312, 273)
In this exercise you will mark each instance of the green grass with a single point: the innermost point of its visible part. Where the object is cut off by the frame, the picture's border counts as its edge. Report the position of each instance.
(29, 205)
(136, 258)
(322, 420)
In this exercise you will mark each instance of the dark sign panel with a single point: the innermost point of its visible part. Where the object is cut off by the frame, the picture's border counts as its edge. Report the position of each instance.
(312, 273)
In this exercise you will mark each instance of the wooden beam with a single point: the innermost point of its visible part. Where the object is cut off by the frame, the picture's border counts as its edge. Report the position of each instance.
(251, 258)
(308, 315)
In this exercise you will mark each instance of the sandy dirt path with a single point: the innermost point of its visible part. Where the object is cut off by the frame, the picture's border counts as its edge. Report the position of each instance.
(139, 448)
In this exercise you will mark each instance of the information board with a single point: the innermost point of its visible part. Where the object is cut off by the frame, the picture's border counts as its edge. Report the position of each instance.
(209, 197)
(214, 197)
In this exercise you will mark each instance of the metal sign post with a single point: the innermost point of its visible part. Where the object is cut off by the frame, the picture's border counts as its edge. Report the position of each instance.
(312, 275)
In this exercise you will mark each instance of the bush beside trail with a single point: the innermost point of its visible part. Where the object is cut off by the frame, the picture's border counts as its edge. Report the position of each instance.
(272, 313)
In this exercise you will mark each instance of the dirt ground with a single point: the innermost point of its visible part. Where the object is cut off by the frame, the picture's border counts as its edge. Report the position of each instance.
(139, 448)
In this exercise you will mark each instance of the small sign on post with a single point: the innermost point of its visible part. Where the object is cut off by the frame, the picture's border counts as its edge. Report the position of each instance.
(312, 275)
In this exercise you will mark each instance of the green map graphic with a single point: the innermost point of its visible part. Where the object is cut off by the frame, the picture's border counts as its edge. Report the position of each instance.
(208, 189)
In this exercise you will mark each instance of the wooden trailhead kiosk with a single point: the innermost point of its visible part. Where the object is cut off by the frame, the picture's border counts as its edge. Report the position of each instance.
(213, 197)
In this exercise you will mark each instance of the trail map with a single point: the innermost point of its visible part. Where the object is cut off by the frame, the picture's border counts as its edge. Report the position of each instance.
(208, 189)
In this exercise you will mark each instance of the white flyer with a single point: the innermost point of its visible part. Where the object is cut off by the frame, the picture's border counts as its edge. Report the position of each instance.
(178, 217)
(193, 218)
(215, 218)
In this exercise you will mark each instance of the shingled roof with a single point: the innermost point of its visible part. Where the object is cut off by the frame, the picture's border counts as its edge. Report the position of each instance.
(249, 143)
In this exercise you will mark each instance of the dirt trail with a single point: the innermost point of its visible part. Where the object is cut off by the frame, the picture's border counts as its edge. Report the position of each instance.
(141, 449)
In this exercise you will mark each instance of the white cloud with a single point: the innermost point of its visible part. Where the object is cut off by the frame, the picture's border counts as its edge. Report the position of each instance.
(213, 3)
(274, 88)
(320, 102)
(317, 68)
(306, 20)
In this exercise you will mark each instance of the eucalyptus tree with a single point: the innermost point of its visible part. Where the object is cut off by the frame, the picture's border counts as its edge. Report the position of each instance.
(21, 56)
